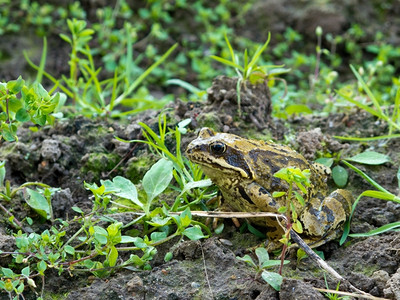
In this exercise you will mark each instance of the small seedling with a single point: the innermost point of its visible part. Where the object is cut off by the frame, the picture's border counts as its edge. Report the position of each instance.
(21, 103)
(301, 179)
(249, 71)
(272, 278)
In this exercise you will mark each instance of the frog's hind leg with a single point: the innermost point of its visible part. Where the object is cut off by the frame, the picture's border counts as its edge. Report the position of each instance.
(322, 220)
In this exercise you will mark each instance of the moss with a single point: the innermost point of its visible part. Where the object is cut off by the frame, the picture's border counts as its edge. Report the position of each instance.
(96, 163)
(136, 167)
(367, 270)
(211, 120)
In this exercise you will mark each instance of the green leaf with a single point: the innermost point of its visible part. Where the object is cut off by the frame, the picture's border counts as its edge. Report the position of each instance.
(2, 173)
(278, 194)
(273, 279)
(168, 256)
(328, 162)
(262, 255)
(273, 263)
(340, 176)
(7, 272)
(159, 221)
(38, 203)
(65, 38)
(382, 229)
(282, 209)
(69, 249)
(156, 180)
(298, 108)
(22, 115)
(15, 86)
(41, 267)
(26, 271)
(297, 227)
(299, 198)
(194, 233)
(77, 209)
(123, 188)
(370, 158)
(248, 260)
(365, 176)
(158, 236)
(112, 256)
(381, 195)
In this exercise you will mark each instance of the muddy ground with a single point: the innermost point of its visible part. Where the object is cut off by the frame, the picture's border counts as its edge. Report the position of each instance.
(79, 149)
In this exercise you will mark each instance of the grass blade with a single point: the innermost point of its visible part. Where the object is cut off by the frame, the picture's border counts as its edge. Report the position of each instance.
(42, 63)
(366, 177)
(136, 83)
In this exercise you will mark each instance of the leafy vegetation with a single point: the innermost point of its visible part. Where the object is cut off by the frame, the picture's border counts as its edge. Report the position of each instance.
(114, 67)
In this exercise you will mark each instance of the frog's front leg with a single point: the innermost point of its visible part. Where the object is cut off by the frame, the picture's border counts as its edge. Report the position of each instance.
(322, 220)
(264, 201)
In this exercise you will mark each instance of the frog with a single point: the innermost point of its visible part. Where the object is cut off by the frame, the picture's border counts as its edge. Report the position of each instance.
(243, 170)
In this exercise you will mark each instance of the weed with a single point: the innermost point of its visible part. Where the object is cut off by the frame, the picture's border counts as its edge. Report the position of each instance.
(392, 119)
(84, 86)
(249, 71)
(380, 193)
(272, 278)
(294, 201)
(21, 103)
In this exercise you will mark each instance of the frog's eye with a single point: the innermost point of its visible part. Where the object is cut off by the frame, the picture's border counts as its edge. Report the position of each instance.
(217, 148)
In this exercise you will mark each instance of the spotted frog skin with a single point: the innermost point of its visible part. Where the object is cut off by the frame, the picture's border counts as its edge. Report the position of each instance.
(243, 170)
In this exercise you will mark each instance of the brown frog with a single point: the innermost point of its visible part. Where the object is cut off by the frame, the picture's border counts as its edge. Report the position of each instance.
(243, 170)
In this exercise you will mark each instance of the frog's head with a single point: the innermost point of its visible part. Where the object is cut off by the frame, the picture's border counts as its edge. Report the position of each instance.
(220, 154)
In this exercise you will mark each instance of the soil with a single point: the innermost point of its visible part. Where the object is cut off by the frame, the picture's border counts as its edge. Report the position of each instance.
(80, 150)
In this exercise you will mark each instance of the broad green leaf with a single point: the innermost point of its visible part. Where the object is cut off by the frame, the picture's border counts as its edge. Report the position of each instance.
(196, 184)
(14, 104)
(278, 194)
(298, 108)
(298, 227)
(15, 86)
(272, 263)
(7, 272)
(41, 267)
(340, 176)
(112, 256)
(69, 249)
(248, 260)
(299, 198)
(77, 209)
(159, 221)
(273, 279)
(38, 203)
(262, 255)
(168, 256)
(156, 180)
(158, 236)
(22, 115)
(370, 158)
(127, 239)
(26, 271)
(328, 162)
(185, 218)
(194, 233)
(65, 38)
